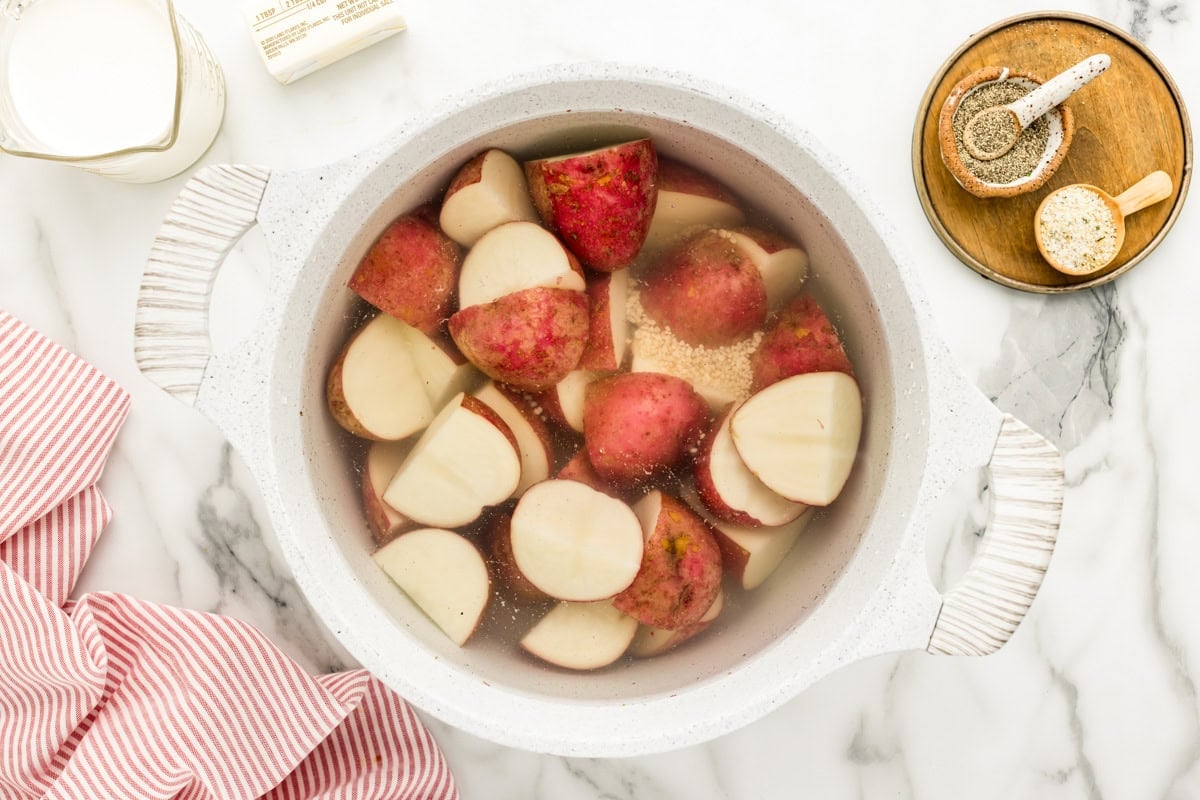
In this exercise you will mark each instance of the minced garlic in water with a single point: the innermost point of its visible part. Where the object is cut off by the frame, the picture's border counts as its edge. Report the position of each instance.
(1078, 230)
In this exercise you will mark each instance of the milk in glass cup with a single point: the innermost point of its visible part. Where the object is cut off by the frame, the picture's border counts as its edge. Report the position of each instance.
(123, 88)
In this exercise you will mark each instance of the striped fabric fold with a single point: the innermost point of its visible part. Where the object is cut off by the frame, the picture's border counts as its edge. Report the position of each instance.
(109, 696)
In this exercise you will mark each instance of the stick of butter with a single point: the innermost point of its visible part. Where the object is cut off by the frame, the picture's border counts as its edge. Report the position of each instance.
(298, 37)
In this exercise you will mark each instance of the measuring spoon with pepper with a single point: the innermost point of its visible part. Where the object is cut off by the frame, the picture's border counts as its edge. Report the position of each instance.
(992, 132)
(1080, 228)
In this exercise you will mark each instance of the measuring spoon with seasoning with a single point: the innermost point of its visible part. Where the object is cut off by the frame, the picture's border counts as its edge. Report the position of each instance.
(992, 132)
(1080, 228)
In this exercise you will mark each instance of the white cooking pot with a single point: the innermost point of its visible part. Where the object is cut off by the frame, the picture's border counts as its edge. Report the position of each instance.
(854, 587)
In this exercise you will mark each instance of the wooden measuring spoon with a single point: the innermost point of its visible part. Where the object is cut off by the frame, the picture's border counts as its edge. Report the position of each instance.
(1153, 188)
(992, 132)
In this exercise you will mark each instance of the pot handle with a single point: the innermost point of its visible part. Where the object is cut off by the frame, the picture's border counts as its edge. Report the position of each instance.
(216, 207)
(983, 610)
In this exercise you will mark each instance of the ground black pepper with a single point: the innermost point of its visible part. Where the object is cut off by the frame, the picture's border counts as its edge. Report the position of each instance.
(1017, 163)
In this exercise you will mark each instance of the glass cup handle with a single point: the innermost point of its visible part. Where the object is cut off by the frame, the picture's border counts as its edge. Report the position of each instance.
(171, 339)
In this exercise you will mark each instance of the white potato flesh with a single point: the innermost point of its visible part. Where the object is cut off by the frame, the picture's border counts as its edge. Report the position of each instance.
(535, 451)
(782, 271)
(441, 376)
(383, 461)
(444, 575)
(764, 548)
(461, 464)
(380, 382)
(571, 392)
(740, 489)
(676, 213)
(500, 195)
(575, 543)
(618, 296)
(800, 436)
(513, 257)
(581, 635)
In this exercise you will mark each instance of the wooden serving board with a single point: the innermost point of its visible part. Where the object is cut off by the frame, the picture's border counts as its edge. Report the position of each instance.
(1129, 122)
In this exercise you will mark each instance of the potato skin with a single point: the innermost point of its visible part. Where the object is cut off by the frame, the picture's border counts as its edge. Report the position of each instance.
(411, 271)
(675, 176)
(707, 291)
(638, 425)
(801, 340)
(528, 339)
(680, 575)
(599, 203)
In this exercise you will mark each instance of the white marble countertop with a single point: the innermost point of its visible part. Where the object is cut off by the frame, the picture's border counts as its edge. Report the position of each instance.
(1095, 696)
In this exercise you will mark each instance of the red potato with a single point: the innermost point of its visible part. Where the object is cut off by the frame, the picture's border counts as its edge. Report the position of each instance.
(649, 642)
(578, 468)
(531, 432)
(800, 436)
(382, 462)
(564, 400)
(801, 340)
(707, 291)
(575, 543)
(443, 574)
(638, 425)
(782, 264)
(600, 202)
(411, 271)
(729, 490)
(529, 339)
(487, 192)
(749, 555)
(514, 257)
(467, 460)
(581, 635)
(680, 576)
(374, 389)
(498, 539)
(608, 332)
(688, 200)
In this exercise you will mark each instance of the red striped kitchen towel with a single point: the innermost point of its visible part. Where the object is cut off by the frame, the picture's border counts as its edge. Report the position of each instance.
(111, 697)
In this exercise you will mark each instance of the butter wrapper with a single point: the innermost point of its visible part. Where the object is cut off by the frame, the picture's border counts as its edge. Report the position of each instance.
(299, 37)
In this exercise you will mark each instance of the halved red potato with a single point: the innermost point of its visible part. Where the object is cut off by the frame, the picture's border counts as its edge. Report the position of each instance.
(444, 575)
(443, 370)
(608, 331)
(487, 192)
(581, 635)
(802, 339)
(514, 257)
(680, 575)
(689, 200)
(380, 466)
(532, 434)
(575, 543)
(564, 400)
(411, 271)
(600, 202)
(529, 339)
(729, 490)
(782, 264)
(707, 291)
(800, 436)
(374, 389)
(638, 425)
(649, 641)
(749, 555)
(466, 460)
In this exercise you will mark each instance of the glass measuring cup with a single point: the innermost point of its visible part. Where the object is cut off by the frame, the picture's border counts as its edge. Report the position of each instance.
(123, 88)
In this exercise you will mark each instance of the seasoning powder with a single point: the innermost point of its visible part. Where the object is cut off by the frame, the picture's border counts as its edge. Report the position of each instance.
(1018, 163)
(1078, 231)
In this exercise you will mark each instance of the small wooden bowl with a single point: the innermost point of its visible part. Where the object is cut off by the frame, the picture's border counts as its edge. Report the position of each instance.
(1062, 129)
